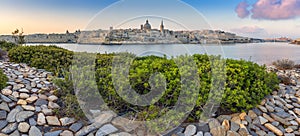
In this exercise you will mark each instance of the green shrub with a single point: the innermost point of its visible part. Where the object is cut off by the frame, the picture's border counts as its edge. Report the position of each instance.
(70, 106)
(3, 80)
(246, 84)
(284, 64)
(51, 58)
(6, 46)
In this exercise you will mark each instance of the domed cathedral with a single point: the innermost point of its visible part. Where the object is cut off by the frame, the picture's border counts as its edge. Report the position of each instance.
(147, 26)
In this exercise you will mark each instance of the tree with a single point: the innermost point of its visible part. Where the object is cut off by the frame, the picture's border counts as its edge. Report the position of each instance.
(18, 36)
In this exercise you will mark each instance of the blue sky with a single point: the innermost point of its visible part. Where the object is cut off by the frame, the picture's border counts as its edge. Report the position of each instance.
(57, 16)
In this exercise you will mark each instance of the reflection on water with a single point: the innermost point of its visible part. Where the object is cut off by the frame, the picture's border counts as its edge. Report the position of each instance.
(262, 53)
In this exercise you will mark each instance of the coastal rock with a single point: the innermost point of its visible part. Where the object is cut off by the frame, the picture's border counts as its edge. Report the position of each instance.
(67, 121)
(273, 129)
(23, 115)
(6, 92)
(41, 120)
(11, 117)
(23, 127)
(53, 120)
(34, 131)
(190, 130)
(106, 130)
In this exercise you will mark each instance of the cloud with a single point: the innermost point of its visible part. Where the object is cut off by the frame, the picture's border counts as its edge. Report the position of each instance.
(250, 31)
(273, 9)
(242, 10)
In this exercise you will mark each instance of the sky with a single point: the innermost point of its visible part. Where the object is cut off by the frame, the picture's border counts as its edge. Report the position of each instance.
(252, 18)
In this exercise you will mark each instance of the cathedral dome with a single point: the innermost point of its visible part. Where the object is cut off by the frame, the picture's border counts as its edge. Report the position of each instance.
(147, 26)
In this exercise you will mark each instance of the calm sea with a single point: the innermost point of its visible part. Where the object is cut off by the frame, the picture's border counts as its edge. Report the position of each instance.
(262, 53)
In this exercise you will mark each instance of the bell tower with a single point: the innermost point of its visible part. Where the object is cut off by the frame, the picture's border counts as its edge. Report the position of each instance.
(162, 27)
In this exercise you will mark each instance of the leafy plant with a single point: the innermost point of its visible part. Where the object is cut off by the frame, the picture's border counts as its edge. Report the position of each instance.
(3, 79)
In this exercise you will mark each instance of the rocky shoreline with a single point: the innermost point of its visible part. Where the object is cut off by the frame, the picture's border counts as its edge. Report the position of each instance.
(28, 103)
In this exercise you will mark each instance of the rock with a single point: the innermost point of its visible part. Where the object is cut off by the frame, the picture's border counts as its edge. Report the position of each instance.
(261, 133)
(212, 123)
(86, 130)
(236, 119)
(66, 133)
(28, 107)
(243, 131)
(242, 116)
(52, 98)
(32, 122)
(11, 117)
(234, 127)
(268, 117)
(269, 108)
(53, 120)
(121, 134)
(124, 124)
(31, 99)
(6, 99)
(262, 120)
(24, 90)
(190, 130)
(283, 114)
(23, 115)
(232, 133)
(23, 127)
(207, 134)
(226, 125)
(53, 105)
(34, 131)
(297, 111)
(24, 96)
(273, 129)
(283, 121)
(6, 92)
(21, 102)
(275, 123)
(75, 127)
(67, 121)
(47, 112)
(4, 106)
(289, 106)
(203, 127)
(3, 124)
(3, 114)
(257, 111)
(252, 114)
(106, 130)
(53, 133)
(10, 128)
(15, 133)
(199, 133)
(218, 131)
(41, 119)
(41, 102)
(262, 108)
(289, 130)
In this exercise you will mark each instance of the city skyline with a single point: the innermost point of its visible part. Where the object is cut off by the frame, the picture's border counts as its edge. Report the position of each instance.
(252, 18)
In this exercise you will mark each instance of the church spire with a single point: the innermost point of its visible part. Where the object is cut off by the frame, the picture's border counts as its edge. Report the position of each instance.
(162, 27)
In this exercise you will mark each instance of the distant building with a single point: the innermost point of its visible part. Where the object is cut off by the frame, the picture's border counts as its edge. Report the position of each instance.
(162, 27)
(147, 26)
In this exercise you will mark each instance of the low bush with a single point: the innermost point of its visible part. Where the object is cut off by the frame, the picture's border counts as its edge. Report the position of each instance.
(3, 80)
(6, 46)
(284, 64)
(246, 83)
(70, 106)
(51, 58)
